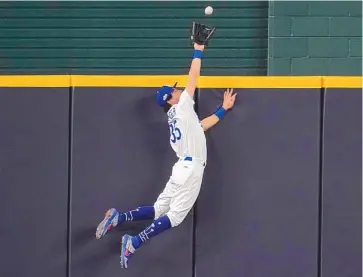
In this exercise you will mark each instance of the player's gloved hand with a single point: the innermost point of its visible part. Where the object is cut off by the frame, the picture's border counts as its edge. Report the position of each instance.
(229, 98)
(201, 33)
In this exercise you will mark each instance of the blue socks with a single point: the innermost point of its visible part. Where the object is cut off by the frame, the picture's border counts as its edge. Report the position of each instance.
(157, 227)
(141, 213)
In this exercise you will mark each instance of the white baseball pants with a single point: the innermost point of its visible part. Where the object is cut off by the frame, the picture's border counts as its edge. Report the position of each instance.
(181, 191)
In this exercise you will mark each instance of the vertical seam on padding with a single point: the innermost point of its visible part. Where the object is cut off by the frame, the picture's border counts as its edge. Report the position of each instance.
(69, 181)
(320, 180)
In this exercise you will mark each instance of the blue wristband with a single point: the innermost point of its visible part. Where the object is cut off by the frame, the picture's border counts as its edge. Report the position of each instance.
(197, 54)
(220, 113)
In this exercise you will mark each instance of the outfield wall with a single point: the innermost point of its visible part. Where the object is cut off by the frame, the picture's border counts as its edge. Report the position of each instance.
(281, 193)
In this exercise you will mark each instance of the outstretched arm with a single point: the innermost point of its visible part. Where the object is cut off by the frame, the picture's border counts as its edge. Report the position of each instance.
(228, 103)
(194, 71)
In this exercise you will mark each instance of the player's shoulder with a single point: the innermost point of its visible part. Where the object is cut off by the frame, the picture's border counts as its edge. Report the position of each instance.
(185, 93)
(186, 97)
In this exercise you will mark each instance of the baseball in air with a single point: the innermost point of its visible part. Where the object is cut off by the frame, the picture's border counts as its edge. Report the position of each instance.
(208, 10)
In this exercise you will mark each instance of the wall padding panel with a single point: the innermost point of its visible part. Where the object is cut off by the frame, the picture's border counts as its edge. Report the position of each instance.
(342, 184)
(122, 158)
(257, 214)
(33, 178)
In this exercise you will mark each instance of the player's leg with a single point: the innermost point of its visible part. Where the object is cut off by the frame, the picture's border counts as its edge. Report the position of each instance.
(161, 207)
(181, 203)
(162, 203)
(186, 193)
(184, 200)
(113, 217)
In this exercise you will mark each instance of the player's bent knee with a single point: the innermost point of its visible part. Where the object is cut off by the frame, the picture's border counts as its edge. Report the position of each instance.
(175, 218)
(158, 211)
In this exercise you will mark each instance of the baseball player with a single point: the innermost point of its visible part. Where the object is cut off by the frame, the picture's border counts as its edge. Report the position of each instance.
(188, 140)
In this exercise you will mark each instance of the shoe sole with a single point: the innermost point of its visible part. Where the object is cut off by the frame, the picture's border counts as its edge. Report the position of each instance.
(123, 249)
(102, 228)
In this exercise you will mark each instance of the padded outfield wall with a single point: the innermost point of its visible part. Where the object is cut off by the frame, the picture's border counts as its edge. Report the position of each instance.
(281, 194)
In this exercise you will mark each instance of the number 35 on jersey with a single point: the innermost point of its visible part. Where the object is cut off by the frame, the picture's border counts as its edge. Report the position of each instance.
(175, 133)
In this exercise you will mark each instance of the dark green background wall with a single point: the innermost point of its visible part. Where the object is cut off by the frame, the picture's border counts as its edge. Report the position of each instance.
(304, 38)
(130, 37)
(315, 38)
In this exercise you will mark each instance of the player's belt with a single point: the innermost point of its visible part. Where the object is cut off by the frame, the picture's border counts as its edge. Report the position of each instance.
(191, 159)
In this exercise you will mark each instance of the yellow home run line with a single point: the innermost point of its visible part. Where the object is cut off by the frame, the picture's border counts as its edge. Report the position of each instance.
(155, 81)
(342, 82)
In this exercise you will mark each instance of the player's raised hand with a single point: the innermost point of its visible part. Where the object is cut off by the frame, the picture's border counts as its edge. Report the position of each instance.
(229, 99)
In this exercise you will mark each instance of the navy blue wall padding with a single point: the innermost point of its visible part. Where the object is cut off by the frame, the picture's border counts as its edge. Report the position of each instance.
(342, 184)
(33, 180)
(257, 214)
(122, 158)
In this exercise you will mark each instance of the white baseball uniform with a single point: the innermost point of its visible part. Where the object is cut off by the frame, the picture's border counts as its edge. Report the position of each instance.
(188, 140)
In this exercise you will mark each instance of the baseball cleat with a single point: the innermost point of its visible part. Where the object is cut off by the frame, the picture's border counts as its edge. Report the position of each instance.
(127, 249)
(110, 220)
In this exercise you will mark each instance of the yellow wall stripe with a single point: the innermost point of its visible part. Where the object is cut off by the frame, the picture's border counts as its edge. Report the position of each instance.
(259, 82)
(342, 82)
(159, 80)
(127, 80)
(35, 81)
(203, 82)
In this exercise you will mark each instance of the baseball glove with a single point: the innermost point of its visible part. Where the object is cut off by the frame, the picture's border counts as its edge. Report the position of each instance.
(201, 34)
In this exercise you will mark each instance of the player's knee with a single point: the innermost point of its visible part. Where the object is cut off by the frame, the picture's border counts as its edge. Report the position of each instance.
(159, 211)
(175, 218)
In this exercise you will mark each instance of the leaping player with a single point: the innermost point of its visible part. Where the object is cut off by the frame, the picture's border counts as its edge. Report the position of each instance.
(188, 140)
